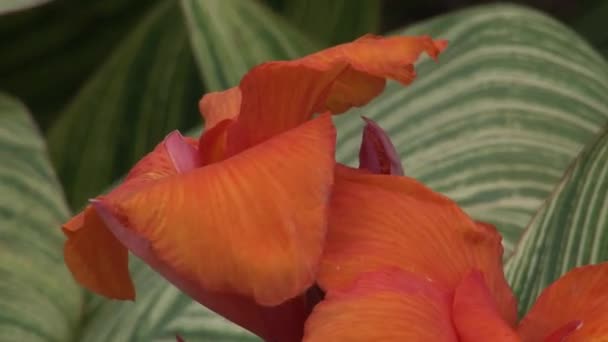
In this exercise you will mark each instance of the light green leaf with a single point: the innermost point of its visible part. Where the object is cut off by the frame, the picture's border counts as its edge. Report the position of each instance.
(229, 37)
(570, 230)
(336, 21)
(147, 88)
(39, 300)
(495, 123)
(159, 313)
(9, 6)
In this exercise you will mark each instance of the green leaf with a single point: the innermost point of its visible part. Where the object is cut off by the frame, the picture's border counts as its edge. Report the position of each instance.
(495, 123)
(570, 230)
(159, 313)
(9, 6)
(334, 22)
(229, 37)
(147, 88)
(48, 52)
(591, 23)
(39, 300)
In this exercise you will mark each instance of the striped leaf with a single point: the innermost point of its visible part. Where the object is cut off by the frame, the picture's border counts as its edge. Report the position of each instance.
(228, 37)
(496, 122)
(48, 52)
(147, 88)
(39, 300)
(570, 230)
(336, 21)
(159, 313)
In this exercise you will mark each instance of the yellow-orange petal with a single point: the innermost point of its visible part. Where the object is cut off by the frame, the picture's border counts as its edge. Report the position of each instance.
(253, 224)
(389, 305)
(96, 259)
(577, 301)
(379, 221)
(475, 314)
(218, 106)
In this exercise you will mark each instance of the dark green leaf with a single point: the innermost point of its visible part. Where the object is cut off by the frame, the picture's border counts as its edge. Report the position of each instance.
(231, 36)
(147, 88)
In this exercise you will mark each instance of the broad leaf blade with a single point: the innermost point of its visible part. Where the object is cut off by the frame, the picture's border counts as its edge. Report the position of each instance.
(48, 52)
(334, 22)
(496, 122)
(570, 230)
(39, 300)
(229, 37)
(148, 88)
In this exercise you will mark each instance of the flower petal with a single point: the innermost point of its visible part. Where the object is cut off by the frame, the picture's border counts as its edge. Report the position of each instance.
(379, 221)
(576, 306)
(383, 306)
(334, 79)
(276, 97)
(236, 226)
(97, 260)
(95, 257)
(377, 153)
(372, 59)
(219, 106)
(475, 314)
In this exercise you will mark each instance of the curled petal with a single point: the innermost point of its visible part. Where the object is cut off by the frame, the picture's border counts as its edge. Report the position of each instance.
(335, 79)
(236, 226)
(372, 59)
(575, 306)
(377, 153)
(379, 221)
(475, 314)
(387, 305)
(278, 96)
(95, 257)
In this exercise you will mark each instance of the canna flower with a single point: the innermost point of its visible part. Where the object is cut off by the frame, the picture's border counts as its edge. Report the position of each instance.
(238, 219)
(403, 263)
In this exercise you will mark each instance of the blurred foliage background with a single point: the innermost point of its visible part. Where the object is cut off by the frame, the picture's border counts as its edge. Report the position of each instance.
(65, 41)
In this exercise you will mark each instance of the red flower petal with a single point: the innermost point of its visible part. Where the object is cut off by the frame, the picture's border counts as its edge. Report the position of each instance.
(576, 306)
(236, 226)
(92, 253)
(277, 96)
(476, 315)
(383, 306)
(379, 221)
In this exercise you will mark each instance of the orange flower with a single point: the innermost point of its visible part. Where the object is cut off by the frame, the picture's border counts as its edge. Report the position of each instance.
(403, 263)
(238, 219)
